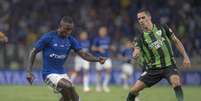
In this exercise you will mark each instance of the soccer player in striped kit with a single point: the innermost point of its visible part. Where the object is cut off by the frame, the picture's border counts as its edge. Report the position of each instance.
(154, 44)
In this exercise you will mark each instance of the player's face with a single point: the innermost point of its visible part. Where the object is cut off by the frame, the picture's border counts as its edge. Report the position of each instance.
(65, 29)
(103, 31)
(83, 35)
(128, 44)
(144, 20)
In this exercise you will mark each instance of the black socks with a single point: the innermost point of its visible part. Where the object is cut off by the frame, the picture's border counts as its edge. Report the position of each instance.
(131, 97)
(179, 93)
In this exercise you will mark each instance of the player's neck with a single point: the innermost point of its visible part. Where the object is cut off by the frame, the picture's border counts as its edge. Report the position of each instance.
(149, 28)
(60, 34)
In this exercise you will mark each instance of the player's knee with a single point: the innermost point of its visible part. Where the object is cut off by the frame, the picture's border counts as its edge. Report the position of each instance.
(135, 90)
(139, 85)
(175, 81)
(65, 84)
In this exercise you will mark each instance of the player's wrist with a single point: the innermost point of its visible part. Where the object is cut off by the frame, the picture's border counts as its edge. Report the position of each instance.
(186, 56)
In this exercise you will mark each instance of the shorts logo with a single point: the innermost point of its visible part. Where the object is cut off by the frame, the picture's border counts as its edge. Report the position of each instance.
(143, 74)
(175, 69)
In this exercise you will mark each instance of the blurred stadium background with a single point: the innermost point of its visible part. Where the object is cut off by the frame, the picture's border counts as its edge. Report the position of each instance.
(24, 21)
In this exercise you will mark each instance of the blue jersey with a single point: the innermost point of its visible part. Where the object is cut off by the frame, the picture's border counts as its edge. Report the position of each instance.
(127, 52)
(102, 42)
(85, 44)
(55, 51)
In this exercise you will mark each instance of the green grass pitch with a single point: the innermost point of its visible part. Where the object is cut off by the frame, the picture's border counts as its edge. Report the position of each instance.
(43, 93)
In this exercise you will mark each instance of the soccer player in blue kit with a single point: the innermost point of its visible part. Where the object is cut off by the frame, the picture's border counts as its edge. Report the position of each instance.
(81, 64)
(56, 46)
(101, 46)
(127, 66)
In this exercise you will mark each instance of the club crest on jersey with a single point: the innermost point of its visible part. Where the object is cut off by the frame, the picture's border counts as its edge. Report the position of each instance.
(159, 32)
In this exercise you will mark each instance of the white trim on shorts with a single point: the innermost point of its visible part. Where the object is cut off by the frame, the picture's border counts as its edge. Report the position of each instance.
(106, 65)
(127, 68)
(81, 63)
(53, 79)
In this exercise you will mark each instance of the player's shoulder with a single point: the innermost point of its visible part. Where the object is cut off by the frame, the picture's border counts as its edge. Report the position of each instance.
(49, 34)
(166, 28)
(72, 38)
(158, 25)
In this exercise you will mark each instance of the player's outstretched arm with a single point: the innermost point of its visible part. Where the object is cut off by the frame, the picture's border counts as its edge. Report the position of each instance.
(91, 58)
(32, 55)
(180, 47)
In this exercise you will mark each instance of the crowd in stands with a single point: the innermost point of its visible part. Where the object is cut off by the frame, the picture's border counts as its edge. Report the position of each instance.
(24, 21)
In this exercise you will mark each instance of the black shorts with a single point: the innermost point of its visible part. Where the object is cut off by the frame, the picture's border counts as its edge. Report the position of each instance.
(151, 77)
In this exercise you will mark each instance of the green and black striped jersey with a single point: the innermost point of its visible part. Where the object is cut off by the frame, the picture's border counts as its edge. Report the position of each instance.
(156, 48)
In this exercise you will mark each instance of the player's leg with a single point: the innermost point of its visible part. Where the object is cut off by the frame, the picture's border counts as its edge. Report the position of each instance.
(67, 90)
(53, 80)
(125, 77)
(77, 68)
(127, 71)
(147, 79)
(137, 87)
(107, 65)
(99, 68)
(86, 76)
(174, 79)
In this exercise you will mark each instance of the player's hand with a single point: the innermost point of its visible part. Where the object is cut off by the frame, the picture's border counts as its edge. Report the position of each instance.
(30, 77)
(186, 62)
(136, 53)
(101, 60)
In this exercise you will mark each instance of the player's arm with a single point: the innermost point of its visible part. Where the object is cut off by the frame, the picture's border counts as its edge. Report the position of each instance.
(85, 55)
(31, 59)
(136, 47)
(136, 53)
(40, 44)
(180, 47)
(89, 57)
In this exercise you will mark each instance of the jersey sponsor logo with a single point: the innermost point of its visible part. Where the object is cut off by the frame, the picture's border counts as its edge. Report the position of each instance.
(157, 44)
(61, 45)
(56, 56)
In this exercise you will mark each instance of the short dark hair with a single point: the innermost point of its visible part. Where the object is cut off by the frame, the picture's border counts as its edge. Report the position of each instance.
(67, 19)
(145, 10)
